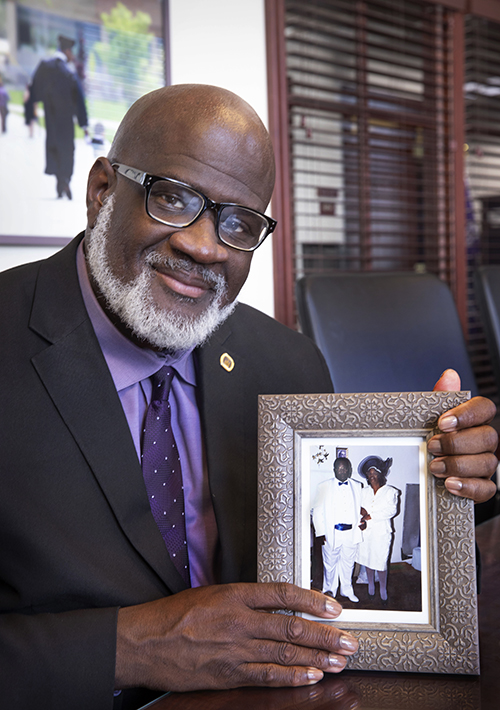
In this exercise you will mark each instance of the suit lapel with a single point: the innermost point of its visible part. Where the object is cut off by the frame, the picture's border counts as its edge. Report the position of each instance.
(78, 381)
(224, 413)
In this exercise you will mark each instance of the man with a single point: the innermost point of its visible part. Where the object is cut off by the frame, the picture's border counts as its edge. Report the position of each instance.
(59, 88)
(4, 106)
(336, 518)
(92, 600)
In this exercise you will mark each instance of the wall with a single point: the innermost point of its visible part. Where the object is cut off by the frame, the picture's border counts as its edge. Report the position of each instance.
(226, 47)
(13, 255)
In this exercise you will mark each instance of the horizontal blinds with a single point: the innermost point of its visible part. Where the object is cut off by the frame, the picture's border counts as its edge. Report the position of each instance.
(482, 183)
(368, 105)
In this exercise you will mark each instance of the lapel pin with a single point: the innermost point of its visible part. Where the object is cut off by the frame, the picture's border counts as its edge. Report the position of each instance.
(227, 362)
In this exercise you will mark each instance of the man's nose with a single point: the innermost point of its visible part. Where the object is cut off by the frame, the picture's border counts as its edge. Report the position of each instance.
(200, 241)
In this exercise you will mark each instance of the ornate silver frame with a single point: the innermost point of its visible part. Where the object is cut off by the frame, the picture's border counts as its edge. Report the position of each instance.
(449, 644)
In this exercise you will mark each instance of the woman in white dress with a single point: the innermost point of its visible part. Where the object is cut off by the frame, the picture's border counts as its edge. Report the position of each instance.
(379, 504)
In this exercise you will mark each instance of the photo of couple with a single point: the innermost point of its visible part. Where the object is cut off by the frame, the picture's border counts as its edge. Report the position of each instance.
(365, 526)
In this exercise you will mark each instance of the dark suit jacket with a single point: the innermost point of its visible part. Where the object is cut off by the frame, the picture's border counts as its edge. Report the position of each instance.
(77, 538)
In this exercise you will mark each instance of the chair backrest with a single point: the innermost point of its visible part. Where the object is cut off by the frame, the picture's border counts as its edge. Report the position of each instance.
(487, 286)
(384, 331)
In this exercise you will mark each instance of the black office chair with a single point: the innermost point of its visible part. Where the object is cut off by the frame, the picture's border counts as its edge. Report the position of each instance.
(384, 331)
(487, 287)
(388, 332)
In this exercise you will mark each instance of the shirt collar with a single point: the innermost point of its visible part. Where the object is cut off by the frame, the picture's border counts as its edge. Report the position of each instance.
(127, 362)
(60, 55)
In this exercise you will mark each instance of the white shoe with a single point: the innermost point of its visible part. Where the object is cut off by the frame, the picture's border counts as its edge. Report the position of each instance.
(350, 595)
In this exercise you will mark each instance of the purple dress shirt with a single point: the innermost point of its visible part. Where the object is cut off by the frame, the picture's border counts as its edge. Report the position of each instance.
(131, 367)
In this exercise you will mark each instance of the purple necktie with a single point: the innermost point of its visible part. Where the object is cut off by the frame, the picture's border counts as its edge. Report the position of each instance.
(161, 468)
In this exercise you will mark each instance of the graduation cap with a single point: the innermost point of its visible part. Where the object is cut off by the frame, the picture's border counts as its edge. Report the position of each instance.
(65, 43)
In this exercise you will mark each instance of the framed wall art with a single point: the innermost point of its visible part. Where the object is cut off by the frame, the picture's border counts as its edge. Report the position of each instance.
(70, 70)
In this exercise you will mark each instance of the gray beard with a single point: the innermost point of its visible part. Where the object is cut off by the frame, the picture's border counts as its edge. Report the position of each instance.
(133, 302)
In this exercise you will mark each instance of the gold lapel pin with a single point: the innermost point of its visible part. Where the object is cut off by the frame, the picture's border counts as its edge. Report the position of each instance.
(227, 362)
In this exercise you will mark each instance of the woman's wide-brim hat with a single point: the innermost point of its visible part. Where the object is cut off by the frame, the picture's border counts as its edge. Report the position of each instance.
(374, 462)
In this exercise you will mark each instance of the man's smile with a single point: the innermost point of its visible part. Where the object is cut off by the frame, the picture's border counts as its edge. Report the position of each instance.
(180, 276)
(187, 285)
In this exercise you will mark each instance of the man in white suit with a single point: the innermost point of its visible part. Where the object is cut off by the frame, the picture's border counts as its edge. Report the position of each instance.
(336, 517)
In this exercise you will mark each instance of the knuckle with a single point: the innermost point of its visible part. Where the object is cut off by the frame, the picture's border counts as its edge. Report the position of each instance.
(297, 676)
(282, 590)
(294, 629)
(486, 438)
(450, 444)
(491, 438)
(489, 408)
(333, 638)
(291, 676)
(269, 674)
(470, 441)
(318, 659)
(457, 466)
(477, 410)
(491, 463)
(480, 491)
(233, 620)
(478, 466)
(222, 671)
(286, 654)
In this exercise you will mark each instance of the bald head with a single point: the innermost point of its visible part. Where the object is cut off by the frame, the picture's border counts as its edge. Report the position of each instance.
(203, 123)
(161, 281)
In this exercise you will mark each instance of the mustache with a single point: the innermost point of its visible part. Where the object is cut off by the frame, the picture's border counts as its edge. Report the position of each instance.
(215, 281)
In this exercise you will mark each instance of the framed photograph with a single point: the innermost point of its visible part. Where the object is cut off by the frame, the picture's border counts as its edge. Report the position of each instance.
(69, 70)
(347, 506)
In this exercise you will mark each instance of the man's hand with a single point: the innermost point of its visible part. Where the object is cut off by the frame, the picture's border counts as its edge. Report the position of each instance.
(364, 517)
(224, 637)
(465, 450)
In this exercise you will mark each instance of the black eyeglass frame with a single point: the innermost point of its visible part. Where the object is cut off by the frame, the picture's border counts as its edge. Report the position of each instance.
(146, 180)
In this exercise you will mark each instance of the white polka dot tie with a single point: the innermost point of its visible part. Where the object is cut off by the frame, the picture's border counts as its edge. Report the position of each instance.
(161, 468)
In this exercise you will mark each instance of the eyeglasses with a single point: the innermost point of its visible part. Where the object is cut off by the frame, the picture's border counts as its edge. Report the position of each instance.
(178, 205)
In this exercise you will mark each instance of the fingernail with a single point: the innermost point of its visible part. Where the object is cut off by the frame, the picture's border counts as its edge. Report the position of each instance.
(454, 485)
(348, 643)
(336, 661)
(434, 446)
(448, 423)
(314, 674)
(332, 607)
(437, 466)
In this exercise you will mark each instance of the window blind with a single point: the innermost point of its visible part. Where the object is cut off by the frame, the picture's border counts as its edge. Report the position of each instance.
(369, 103)
(482, 175)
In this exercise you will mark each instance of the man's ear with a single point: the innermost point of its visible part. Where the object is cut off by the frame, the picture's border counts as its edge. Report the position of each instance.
(102, 179)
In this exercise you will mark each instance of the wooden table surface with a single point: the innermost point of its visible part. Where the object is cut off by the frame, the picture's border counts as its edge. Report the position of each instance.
(386, 691)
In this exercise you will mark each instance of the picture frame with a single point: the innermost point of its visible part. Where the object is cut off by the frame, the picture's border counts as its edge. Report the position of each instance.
(442, 635)
(118, 54)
